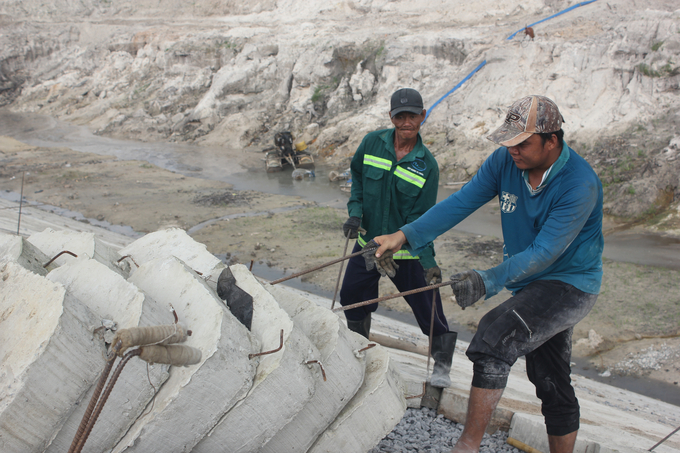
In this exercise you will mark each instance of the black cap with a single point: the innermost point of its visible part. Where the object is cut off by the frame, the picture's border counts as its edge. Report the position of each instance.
(406, 100)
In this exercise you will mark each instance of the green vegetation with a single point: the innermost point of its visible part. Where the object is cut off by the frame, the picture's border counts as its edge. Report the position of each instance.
(228, 44)
(631, 190)
(664, 71)
(73, 176)
(319, 92)
(656, 45)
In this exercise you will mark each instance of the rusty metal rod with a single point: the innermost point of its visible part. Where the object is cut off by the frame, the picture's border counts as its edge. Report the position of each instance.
(250, 356)
(21, 201)
(342, 266)
(664, 439)
(393, 296)
(95, 396)
(429, 345)
(104, 397)
(58, 255)
(321, 266)
(323, 372)
(371, 345)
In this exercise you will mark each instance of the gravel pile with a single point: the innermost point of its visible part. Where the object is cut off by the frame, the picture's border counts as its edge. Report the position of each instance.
(646, 360)
(423, 431)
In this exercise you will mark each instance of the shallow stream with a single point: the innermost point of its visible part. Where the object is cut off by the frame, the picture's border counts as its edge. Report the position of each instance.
(214, 163)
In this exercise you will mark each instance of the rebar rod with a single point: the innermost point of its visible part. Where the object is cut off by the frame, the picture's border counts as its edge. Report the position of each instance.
(393, 296)
(95, 396)
(320, 266)
(342, 266)
(104, 397)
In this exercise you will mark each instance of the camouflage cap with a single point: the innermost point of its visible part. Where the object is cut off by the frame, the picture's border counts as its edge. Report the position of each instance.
(530, 115)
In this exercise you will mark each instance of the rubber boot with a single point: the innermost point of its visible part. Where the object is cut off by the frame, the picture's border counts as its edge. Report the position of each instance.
(443, 347)
(362, 327)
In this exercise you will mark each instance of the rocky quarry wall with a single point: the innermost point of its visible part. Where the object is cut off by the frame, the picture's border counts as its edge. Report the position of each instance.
(233, 74)
(289, 378)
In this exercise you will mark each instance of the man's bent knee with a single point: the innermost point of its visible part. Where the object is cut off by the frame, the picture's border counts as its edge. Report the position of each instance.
(490, 373)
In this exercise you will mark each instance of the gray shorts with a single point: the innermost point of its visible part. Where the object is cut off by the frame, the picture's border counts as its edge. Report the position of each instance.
(537, 323)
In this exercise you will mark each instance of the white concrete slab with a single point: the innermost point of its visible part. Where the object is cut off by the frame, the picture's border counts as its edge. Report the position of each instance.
(35, 220)
(48, 358)
(171, 242)
(284, 383)
(18, 249)
(344, 371)
(373, 412)
(193, 398)
(112, 298)
(82, 244)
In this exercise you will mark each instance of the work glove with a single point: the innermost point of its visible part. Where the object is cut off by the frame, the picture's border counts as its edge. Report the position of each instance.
(351, 227)
(468, 287)
(433, 275)
(385, 264)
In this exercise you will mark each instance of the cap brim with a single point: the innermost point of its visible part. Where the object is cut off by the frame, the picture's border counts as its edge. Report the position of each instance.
(415, 110)
(506, 136)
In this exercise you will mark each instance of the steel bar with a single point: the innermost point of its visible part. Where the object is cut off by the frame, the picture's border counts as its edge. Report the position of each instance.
(342, 266)
(320, 266)
(250, 356)
(665, 438)
(58, 255)
(95, 396)
(104, 397)
(393, 296)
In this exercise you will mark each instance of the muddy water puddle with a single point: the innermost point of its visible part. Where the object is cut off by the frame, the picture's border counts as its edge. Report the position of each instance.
(218, 164)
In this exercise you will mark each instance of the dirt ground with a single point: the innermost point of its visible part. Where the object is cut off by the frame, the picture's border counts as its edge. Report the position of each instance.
(633, 329)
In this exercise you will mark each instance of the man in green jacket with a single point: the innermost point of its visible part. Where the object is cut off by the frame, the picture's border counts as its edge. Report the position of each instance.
(394, 181)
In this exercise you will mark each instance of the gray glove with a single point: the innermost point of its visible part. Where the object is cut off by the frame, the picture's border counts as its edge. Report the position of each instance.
(351, 227)
(468, 287)
(385, 264)
(433, 275)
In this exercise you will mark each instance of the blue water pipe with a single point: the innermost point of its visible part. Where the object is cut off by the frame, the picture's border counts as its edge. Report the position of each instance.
(554, 15)
(484, 62)
(481, 65)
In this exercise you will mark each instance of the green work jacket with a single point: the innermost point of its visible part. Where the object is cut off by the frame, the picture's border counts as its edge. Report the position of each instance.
(386, 194)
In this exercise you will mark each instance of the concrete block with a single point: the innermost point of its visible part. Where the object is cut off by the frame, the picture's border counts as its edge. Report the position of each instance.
(344, 371)
(194, 398)
(82, 244)
(16, 248)
(171, 242)
(373, 412)
(284, 383)
(530, 430)
(48, 358)
(112, 298)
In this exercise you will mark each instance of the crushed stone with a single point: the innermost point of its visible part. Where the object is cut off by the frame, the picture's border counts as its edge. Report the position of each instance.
(423, 430)
(650, 359)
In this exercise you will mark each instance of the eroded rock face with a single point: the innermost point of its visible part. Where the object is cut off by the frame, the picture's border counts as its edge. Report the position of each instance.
(237, 74)
(298, 379)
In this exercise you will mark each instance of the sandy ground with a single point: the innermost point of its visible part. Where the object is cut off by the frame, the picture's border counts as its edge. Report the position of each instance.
(633, 329)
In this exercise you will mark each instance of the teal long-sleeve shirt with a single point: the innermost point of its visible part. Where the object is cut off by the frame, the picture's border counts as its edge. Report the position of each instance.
(387, 194)
(551, 233)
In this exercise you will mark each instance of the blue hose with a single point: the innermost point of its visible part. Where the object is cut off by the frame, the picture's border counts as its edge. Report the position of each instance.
(454, 88)
(484, 62)
(554, 15)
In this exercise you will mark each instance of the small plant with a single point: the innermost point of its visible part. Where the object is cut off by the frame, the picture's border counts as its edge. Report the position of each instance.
(631, 190)
(664, 71)
(656, 45)
(319, 92)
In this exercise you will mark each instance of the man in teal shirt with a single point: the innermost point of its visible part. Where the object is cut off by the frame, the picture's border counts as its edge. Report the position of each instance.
(551, 213)
(395, 180)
